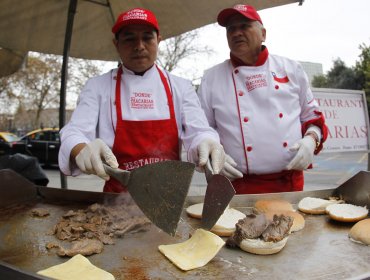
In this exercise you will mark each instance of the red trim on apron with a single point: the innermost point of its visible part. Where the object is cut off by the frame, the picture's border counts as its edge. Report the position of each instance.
(138, 143)
(285, 181)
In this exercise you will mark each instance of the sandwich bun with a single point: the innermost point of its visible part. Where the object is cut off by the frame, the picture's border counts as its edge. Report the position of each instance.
(265, 205)
(195, 210)
(260, 247)
(226, 224)
(298, 220)
(360, 232)
(314, 205)
(347, 212)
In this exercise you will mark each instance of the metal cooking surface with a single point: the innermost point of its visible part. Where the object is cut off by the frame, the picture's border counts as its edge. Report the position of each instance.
(321, 250)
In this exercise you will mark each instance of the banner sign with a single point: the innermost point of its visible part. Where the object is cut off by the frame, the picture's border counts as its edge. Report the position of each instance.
(346, 116)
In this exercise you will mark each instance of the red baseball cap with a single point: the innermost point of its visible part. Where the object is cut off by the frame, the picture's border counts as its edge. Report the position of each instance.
(245, 10)
(135, 16)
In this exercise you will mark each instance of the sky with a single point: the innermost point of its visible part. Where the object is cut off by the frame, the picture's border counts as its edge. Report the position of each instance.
(318, 31)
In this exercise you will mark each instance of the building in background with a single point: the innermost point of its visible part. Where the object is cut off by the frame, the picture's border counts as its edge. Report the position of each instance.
(312, 69)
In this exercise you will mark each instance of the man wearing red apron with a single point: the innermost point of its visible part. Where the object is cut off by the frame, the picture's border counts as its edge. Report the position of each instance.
(137, 114)
(263, 109)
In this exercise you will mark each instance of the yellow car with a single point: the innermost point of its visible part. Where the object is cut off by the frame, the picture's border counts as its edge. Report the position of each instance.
(6, 140)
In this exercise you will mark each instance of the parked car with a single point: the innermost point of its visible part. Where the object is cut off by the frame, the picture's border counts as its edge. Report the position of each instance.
(6, 139)
(43, 144)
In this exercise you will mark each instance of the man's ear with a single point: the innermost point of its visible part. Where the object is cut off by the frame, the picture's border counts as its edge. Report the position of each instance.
(115, 43)
(159, 38)
(263, 34)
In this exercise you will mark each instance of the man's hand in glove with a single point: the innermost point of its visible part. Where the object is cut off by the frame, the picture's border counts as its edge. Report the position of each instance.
(304, 157)
(210, 149)
(230, 170)
(90, 158)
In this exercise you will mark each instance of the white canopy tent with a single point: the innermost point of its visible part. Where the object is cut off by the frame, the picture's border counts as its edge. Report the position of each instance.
(82, 28)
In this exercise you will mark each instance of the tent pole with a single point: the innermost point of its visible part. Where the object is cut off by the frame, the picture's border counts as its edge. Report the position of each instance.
(62, 104)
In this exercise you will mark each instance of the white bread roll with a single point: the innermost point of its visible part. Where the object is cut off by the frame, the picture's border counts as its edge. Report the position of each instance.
(265, 205)
(347, 212)
(260, 247)
(360, 232)
(225, 226)
(298, 220)
(314, 205)
(195, 210)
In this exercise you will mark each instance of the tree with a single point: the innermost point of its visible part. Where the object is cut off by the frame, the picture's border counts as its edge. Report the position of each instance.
(362, 68)
(175, 50)
(36, 87)
(320, 81)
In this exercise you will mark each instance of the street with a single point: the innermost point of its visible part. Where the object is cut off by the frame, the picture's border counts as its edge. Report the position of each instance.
(330, 170)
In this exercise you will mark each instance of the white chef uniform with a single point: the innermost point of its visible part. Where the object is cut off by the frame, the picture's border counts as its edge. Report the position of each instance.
(95, 115)
(259, 111)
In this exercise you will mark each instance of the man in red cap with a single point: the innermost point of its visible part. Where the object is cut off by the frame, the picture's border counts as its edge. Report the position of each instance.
(263, 109)
(136, 114)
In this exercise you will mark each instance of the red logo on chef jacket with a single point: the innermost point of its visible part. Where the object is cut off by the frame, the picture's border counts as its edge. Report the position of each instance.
(255, 81)
(282, 79)
(141, 100)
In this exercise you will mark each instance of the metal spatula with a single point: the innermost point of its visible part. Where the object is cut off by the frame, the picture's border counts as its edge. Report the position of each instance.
(159, 189)
(219, 193)
(356, 190)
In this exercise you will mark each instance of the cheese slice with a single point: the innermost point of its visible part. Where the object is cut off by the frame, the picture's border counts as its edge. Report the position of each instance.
(76, 268)
(195, 252)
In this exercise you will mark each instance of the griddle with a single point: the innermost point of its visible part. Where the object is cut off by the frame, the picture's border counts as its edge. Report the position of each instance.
(321, 250)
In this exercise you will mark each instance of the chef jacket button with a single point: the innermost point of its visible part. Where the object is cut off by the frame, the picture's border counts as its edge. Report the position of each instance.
(246, 119)
(276, 87)
(236, 71)
(280, 115)
(285, 144)
(249, 148)
(241, 93)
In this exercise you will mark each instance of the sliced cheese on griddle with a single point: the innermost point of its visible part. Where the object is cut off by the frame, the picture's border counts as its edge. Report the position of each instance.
(195, 252)
(76, 268)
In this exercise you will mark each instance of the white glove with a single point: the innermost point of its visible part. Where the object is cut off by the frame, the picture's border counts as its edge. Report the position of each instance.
(89, 159)
(211, 149)
(304, 157)
(229, 169)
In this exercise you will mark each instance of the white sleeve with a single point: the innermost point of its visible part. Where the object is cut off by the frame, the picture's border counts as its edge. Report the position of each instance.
(81, 128)
(308, 103)
(195, 127)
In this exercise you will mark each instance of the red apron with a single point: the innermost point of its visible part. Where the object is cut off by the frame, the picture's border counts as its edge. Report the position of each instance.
(285, 181)
(138, 143)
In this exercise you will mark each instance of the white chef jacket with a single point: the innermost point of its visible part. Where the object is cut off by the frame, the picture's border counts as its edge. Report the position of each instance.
(258, 111)
(142, 98)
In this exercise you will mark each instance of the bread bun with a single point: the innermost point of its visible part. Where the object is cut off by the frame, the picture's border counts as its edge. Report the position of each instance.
(266, 205)
(195, 210)
(298, 220)
(360, 232)
(346, 212)
(260, 247)
(314, 205)
(225, 226)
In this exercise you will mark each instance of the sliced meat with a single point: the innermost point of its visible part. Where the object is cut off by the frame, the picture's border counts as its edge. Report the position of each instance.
(40, 212)
(252, 226)
(278, 229)
(84, 247)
